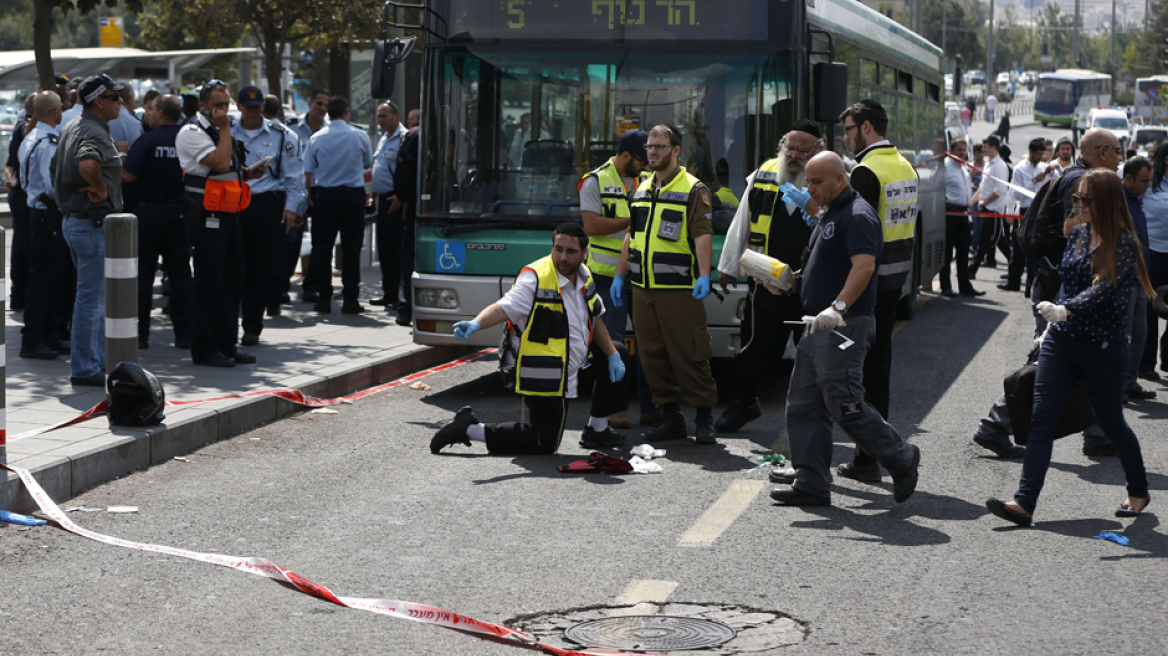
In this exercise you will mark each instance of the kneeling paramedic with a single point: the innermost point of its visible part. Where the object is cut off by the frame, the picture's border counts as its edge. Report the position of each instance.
(839, 289)
(553, 322)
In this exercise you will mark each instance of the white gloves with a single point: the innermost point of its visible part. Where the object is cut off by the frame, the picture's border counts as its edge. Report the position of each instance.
(829, 319)
(1052, 312)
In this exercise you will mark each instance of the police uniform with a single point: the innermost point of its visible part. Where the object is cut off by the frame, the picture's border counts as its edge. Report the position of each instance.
(826, 385)
(162, 230)
(673, 341)
(48, 254)
(294, 238)
(280, 189)
(218, 244)
(18, 205)
(336, 157)
(389, 225)
(126, 127)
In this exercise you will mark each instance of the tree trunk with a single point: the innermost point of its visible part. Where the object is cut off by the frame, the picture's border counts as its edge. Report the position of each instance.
(42, 37)
(339, 70)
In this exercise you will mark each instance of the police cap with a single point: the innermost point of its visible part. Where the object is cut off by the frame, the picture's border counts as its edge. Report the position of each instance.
(250, 97)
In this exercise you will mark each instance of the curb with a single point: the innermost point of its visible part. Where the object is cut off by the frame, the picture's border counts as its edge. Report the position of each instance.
(72, 469)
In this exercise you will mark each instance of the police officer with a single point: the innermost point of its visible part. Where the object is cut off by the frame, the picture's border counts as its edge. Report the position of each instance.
(272, 212)
(777, 228)
(888, 182)
(604, 207)
(315, 119)
(839, 282)
(215, 182)
(334, 174)
(18, 205)
(551, 313)
(389, 207)
(667, 256)
(152, 165)
(126, 128)
(47, 252)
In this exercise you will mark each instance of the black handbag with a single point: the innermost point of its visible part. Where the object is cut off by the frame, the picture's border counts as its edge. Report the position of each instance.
(1019, 387)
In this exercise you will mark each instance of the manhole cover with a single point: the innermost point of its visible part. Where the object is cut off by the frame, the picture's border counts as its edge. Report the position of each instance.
(650, 633)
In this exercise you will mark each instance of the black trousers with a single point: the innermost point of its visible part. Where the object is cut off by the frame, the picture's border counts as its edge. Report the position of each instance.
(389, 248)
(19, 267)
(286, 264)
(1155, 340)
(162, 230)
(878, 364)
(337, 209)
(48, 275)
(543, 430)
(409, 218)
(956, 248)
(993, 233)
(1017, 257)
(218, 276)
(764, 336)
(263, 240)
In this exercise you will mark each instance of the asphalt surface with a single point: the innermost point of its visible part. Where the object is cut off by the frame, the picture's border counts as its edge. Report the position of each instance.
(355, 501)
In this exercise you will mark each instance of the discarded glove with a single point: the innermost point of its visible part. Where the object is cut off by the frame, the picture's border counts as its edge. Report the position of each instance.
(647, 452)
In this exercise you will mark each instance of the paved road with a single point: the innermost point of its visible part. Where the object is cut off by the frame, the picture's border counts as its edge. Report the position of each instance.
(355, 502)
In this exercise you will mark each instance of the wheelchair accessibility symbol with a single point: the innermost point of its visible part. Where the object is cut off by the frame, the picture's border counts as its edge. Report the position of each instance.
(450, 256)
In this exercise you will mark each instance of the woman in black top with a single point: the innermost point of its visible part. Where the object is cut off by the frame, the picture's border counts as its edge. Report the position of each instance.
(1087, 340)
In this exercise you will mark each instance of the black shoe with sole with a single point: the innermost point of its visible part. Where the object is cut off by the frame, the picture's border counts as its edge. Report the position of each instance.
(352, 307)
(999, 509)
(310, 296)
(738, 415)
(455, 431)
(1007, 287)
(784, 476)
(704, 430)
(948, 292)
(39, 352)
(323, 306)
(1148, 374)
(904, 485)
(241, 357)
(862, 474)
(1105, 448)
(404, 320)
(591, 439)
(1001, 448)
(972, 292)
(96, 380)
(1140, 393)
(383, 301)
(61, 347)
(793, 497)
(250, 339)
(671, 428)
(215, 360)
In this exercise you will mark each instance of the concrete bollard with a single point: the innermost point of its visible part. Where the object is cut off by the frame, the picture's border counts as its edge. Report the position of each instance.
(121, 289)
(3, 350)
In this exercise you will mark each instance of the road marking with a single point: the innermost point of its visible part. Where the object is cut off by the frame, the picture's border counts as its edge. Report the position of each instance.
(640, 591)
(722, 514)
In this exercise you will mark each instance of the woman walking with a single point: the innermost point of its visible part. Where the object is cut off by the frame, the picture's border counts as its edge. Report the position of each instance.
(1156, 210)
(1087, 340)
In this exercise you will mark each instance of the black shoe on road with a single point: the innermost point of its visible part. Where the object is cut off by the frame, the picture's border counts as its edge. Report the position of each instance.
(62, 347)
(792, 497)
(1148, 374)
(904, 485)
(972, 292)
(1104, 448)
(1007, 287)
(250, 339)
(783, 476)
(404, 320)
(606, 439)
(352, 307)
(455, 431)
(96, 380)
(216, 360)
(384, 300)
(39, 352)
(310, 296)
(862, 474)
(241, 357)
(1001, 448)
(671, 428)
(323, 306)
(738, 415)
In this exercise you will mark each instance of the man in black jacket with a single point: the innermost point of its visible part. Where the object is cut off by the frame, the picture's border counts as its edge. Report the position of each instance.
(405, 184)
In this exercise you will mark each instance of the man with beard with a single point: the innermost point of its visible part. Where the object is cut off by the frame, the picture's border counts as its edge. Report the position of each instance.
(667, 254)
(771, 226)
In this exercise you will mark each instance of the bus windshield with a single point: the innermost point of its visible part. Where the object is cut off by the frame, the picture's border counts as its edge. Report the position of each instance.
(1056, 92)
(519, 129)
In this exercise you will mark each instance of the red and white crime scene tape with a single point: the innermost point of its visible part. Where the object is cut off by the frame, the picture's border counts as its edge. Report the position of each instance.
(263, 567)
(1022, 190)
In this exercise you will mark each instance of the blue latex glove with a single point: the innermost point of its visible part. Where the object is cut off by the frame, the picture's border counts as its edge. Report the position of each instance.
(616, 368)
(617, 289)
(701, 288)
(792, 194)
(464, 329)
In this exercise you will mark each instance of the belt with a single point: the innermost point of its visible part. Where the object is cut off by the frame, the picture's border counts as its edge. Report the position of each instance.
(868, 312)
(956, 207)
(339, 189)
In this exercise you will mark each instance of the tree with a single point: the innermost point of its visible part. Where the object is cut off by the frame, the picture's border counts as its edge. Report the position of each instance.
(42, 29)
(961, 35)
(1144, 56)
(1055, 26)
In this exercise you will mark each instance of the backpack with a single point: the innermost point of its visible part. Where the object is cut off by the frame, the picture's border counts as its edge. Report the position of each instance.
(1040, 231)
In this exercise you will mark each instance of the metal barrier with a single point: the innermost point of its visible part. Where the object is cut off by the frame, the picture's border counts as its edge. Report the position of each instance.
(121, 289)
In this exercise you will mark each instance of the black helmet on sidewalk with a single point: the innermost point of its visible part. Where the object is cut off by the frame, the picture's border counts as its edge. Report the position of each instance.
(135, 396)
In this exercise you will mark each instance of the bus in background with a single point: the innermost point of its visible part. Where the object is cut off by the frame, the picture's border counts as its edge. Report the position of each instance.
(522, 98)
(1065, 96)
(1150, 98)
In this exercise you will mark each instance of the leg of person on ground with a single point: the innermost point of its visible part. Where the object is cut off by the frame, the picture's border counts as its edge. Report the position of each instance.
(608, 400)
(539, 430)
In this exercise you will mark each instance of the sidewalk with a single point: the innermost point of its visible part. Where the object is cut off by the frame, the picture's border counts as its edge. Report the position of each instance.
(321, 355)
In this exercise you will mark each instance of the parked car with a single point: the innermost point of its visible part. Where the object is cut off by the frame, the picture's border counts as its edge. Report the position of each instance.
(1114, 120)
(1003, 79)
(1142, 136)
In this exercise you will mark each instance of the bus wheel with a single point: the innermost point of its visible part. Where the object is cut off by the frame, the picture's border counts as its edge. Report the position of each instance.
(1045, 123)
(906, 307)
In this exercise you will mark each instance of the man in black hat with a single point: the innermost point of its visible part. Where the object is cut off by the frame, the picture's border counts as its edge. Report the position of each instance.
(768, 224)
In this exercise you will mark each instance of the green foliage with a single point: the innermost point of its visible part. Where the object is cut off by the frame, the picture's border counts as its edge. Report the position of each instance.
(73, 29)
(961, 37)
(1144, 55)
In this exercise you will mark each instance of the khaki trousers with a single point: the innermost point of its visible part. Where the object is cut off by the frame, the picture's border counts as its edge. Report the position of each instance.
(674, 346)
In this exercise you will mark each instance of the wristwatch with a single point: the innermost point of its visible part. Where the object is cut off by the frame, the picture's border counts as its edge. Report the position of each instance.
(839, 306)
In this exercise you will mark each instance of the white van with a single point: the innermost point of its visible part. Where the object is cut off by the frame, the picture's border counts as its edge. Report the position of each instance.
(1114, 120)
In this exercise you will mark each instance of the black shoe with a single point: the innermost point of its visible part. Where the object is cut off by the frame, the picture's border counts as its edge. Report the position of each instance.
(972, 292)
(62, 347)
(651, 419)
(274, 311)
(948, 292)
(973, 270)
(384, 300)
(704, 432)
(1148, 374)
(1140, 393)
(602, 440)
(793, 497)
(352, 307)
(96, 380)
(904, 485)
(1004, 276)
(455, 431)
(404, 320)
(250, 339)
(1003, 449)
(1099, 449)
(182, 343)
(672, 427)
(215, 360)
(999, 509)
(39, 352)
(1007, 287)
(310, 296)
(285, 299)
(864, 474)
(143, 344)
(738, 415)
(783, 476)
(241, 357)
(323, 306)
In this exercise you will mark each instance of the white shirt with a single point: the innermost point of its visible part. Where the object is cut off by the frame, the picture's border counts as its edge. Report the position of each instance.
(193, 144)
(989, 186)
(738, 236)
(1024, 175)
(991, 103)
(517, 304)
(958, 187)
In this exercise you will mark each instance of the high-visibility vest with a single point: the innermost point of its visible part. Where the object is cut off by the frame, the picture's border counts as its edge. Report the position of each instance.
(541, 363)
(604, 250)
(660, 256)
(729, 200)
(764, 195)
(897, 209)
(221, 192)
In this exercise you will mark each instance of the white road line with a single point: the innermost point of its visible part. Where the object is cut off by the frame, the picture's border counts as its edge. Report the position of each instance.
(640, 591)
(722, 514)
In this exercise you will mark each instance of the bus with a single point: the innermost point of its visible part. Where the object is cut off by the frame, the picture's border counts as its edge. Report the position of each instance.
(1150, 98)
(521, 98)
(1065, 96)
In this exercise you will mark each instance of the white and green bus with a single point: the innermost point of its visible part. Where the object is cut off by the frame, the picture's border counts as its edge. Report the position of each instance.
(1065, 96)
(1150, 99)
(521, 98)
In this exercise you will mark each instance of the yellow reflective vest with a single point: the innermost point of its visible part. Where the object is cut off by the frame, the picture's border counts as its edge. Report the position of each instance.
(660, 254)
(764, 194)
(729, 200)
(604, 250)
(541, 363)
(897, 209)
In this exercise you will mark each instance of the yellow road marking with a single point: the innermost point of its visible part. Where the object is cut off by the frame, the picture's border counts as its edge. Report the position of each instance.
(640, 591)
(722, 514)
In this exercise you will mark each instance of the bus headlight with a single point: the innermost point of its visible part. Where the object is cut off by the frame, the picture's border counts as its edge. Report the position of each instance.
(446, 299)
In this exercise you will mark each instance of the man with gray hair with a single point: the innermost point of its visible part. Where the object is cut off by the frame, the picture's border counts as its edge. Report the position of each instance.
(770, 224)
